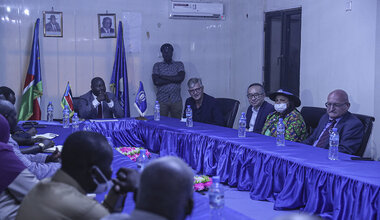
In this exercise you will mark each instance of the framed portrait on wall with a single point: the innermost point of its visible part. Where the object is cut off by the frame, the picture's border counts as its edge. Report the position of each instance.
(53, 24)
(107, 25)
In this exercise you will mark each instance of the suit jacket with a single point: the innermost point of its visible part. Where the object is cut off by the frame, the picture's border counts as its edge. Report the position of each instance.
(208, 113)
(103, 30)
(350, 130)
(264, 111)
(86, 109)
(49, 27)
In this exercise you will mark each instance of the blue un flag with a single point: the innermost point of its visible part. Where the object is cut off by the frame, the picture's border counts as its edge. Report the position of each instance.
(140, 101)
(119, 79)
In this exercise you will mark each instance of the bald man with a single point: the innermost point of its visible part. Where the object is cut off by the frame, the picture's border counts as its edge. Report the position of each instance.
(350, 128)
(160, 196)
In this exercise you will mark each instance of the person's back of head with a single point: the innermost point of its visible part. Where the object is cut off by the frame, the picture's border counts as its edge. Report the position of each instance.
(4, 130)
(166, 188)
(8, 94)
(87, 156)
(9, 112)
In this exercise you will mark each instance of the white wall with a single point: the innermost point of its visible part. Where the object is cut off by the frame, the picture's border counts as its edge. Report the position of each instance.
(202, 45)
(338, 49)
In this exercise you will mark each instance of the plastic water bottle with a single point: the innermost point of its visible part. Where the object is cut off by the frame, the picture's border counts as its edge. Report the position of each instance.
(242, 125)
(75, 123)
(334, 144)
(216, 198)
(280, 139)
(50, 110)
(66, 117)
(189, 116)
(157, 111)
(142, 160)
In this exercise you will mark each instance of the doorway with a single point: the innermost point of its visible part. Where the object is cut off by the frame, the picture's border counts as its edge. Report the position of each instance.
(282, 50)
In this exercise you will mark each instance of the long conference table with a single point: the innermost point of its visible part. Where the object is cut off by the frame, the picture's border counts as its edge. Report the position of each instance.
(295, 176)
(201, 209)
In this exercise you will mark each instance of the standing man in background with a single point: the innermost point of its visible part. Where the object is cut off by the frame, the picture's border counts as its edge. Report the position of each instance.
(168, 76)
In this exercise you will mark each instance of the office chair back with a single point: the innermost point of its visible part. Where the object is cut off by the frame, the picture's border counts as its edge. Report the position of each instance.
(368, 124)
(77, 101)
(229, 109)
(311, 116)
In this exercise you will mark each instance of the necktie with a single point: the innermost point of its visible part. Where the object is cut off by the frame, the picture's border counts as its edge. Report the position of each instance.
(326, 135)
(100, 111)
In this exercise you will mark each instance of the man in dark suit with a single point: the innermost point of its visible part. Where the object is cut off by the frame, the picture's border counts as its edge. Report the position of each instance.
(205, 108)
(259, 109)
(349, 127)
(52, 25)
(98, 103)
(107, 26)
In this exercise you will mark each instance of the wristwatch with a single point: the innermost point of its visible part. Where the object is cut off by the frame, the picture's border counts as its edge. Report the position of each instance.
(41, 145)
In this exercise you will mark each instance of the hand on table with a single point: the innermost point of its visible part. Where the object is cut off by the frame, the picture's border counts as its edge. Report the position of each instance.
(44, 143)
(54, 157)
(32, 131)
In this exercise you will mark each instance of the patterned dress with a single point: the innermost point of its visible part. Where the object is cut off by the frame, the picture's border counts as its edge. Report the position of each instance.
(295, 127)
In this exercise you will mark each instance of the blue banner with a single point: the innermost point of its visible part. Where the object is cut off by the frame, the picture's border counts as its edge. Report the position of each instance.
(140, 101)
(119, 79)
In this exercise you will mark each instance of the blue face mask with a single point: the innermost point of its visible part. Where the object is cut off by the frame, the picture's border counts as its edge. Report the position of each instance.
(102, 186)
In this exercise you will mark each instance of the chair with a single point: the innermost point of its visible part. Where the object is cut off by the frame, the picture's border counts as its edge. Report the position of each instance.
(368, 124)
(229, 108)
(311, 116)
(76, 103)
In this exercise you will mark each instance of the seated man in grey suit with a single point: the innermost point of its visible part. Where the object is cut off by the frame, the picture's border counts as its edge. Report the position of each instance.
(98, 103)
(350, 128)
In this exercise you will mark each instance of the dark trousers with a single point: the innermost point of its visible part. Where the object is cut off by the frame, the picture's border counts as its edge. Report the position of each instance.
(174, 109)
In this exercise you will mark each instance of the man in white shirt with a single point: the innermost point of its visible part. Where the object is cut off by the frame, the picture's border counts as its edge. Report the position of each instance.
(259, 109)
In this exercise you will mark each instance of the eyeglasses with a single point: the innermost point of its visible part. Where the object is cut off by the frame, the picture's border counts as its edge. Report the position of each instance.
(335, 105)
(197, 90)
(255, 95)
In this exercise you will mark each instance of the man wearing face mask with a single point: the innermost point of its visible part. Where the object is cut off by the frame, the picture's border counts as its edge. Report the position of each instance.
(86, 168)
(98, 103)
(168, 76)
(285, 106)
(259, 109)
(350, 128)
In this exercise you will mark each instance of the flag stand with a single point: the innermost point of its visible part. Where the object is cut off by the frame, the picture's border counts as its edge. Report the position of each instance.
(141, 118)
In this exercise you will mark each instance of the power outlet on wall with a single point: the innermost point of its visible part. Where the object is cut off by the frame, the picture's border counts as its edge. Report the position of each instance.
(349, 6)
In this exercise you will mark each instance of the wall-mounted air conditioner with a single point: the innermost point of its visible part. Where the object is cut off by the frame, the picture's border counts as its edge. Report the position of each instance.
(196, 10)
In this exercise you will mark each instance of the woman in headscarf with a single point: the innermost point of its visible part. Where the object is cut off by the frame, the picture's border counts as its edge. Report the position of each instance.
(285, 106)
(15, 178)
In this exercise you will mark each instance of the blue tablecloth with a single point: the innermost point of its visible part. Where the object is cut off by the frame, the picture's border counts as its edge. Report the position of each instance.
(294, 176)
(201, 209)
